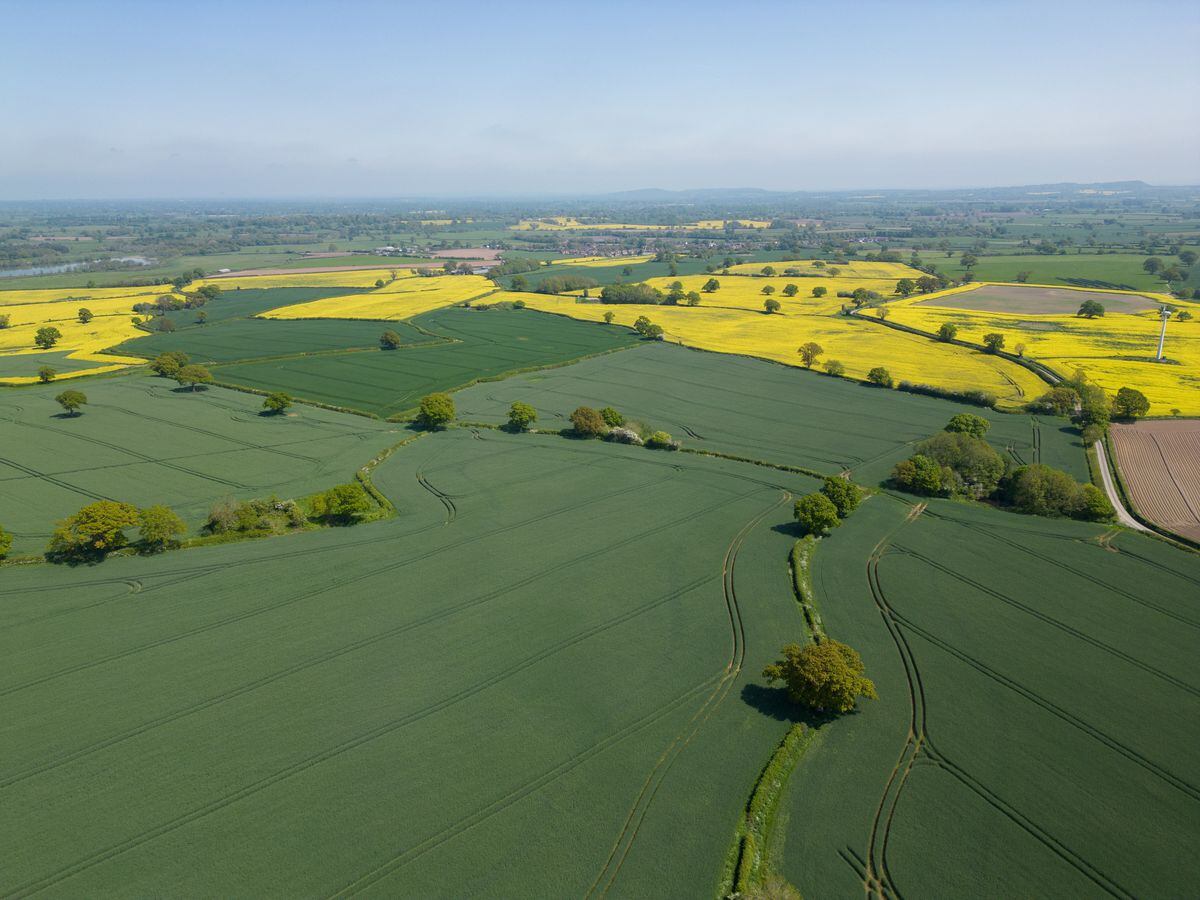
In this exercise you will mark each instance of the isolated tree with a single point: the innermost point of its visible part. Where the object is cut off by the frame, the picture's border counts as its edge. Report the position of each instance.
(1152, 265)
(767, 290)
(968, 260)
(768, 270)
(587, 422)
(880, 376)
(627, 270)
(905, 287)
(790, 290)
(809, 351)
(193, 376)
(816, 514)
(827, 677)
(96, 529)
(1183, 316)
(947, 332)
(201, 317)
(771, 305)
(1090, 309)
(277, 402)
(390, 340)
(46, 374)
(692, 298)
(1023, 276)
(993, 341)
(835, 367)
(521, 416)
(1130, 403)
(819, 291)
(1188, 257)
(609, 316)
(160, 527)
(47, 336)
(711, 285)
(843, 494)
(4, 320)
(968, 423)
(342, 503)
(71, 401)
(379, 281)
(85, 316)
(435, 411)
(640, 324)
(883, 312)
(6, 540)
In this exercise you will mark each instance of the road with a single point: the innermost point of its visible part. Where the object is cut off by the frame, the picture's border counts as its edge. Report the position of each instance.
(1114, 498)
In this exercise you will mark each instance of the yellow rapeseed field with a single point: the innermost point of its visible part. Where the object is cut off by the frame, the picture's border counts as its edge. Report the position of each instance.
(718, 224)
(744, 292)
(82, 296)
(1116, 350)
(859, 346)
(401, 299)
(598, 261)
(855, 269)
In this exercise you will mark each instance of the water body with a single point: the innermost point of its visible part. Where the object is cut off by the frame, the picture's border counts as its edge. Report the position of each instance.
(74, 266)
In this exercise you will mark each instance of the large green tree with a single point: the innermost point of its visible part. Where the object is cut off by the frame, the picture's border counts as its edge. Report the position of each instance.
(827, 677)
(160, 527)
(96, 529)
(816, 514)
(436, 410)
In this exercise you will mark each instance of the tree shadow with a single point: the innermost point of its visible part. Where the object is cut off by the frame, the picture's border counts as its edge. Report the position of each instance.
(774, 703)
(790, 529)
(67, 415)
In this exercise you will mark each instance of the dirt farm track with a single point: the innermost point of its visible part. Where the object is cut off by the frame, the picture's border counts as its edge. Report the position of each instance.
(1160, 463)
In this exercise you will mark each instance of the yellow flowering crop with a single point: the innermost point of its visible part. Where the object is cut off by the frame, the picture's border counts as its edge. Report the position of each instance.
(301, 278)
(859, 346)
(598, 261)
(401, 299)
(1116, 350)
(113, 323)
(855, 269)
(743, 292)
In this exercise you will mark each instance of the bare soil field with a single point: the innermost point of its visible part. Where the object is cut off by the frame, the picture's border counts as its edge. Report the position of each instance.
(1160, 463)
(1015, 299)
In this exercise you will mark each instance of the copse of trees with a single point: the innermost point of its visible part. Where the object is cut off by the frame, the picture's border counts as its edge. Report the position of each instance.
(642, 294)
(97, 529)
(826, 677)
(1040, 490)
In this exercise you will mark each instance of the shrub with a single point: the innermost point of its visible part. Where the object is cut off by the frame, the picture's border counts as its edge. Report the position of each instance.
(1092, 504)
(611, 417)
(974, 396)
(624, 436)
(843, 494)
(880, 376)
(342, 503)
(919, 474)
(969, 423)
(95, 530)
(816, 514)
(587, 422)
(160, 527)
(436, 410)
(660, 440)
(825, 676)
(521, 416)
(1058, 401)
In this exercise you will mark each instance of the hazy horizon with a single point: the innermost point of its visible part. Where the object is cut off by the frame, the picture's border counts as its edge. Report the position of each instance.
(135, 100)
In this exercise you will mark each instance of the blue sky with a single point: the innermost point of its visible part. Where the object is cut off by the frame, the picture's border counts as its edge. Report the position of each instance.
(133, 99)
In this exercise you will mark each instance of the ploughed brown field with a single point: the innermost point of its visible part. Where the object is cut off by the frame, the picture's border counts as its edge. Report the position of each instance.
(1160, 462)
(1047, 301)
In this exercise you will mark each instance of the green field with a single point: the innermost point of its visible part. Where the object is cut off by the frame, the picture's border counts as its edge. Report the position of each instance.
(142, 441)
(247, 339)
(527, 683)
(1114, 271)
(240, 304)
(484, 344)
(16, 365)
(764, 411)
(1038, 713)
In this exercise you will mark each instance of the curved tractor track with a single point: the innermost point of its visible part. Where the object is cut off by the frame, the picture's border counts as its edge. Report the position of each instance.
(919, 749)
(617, 856)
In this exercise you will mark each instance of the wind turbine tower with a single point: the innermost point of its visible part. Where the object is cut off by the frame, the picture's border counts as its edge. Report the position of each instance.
(1165, 313)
